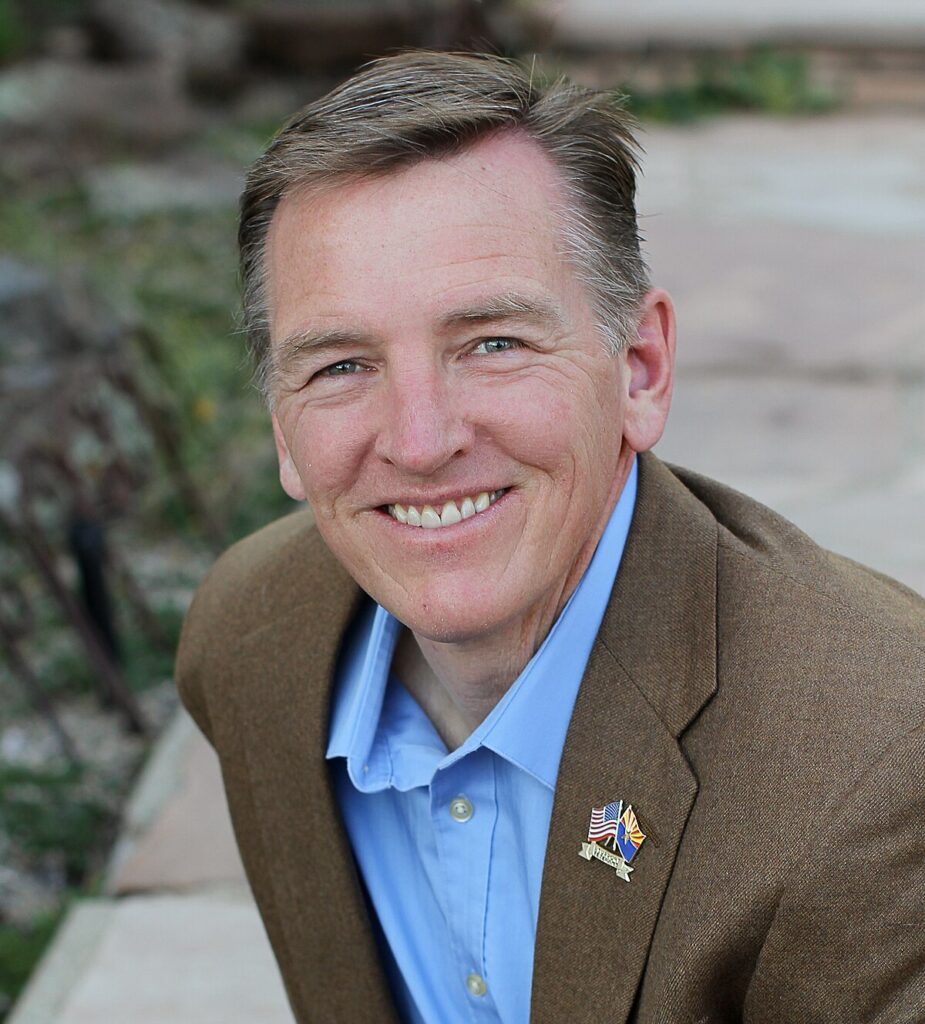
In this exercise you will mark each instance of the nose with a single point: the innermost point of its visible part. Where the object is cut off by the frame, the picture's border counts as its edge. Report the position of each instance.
(422, 426)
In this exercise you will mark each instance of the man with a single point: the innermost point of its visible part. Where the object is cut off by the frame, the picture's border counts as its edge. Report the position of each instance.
(531, 726)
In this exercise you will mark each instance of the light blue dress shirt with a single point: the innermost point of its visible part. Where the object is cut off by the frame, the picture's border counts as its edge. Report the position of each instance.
(451, 845)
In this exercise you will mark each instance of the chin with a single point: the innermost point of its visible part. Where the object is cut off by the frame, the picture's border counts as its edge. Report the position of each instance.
(448, 623)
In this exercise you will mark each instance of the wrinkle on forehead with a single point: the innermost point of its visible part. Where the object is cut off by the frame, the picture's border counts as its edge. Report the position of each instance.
(502, 199)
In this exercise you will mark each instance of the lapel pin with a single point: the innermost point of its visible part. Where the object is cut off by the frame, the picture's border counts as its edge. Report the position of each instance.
(622, 829)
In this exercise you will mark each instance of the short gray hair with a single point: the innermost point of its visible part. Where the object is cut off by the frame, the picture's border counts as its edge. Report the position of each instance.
(400, 110)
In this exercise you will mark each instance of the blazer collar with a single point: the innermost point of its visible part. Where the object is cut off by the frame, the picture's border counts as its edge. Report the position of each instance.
(661, 623)
(652, 669)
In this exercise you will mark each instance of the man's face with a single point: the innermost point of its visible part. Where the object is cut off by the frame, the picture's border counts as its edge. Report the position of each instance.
(432, 347)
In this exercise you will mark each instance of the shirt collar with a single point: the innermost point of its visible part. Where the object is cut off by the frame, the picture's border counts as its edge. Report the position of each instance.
(528, 725)
(362, 674)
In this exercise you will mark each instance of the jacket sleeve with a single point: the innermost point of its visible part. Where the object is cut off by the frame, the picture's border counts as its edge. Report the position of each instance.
(847, 942)
(190, 673)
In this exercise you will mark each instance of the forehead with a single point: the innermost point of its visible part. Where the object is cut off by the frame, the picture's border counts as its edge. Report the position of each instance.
(434, 233)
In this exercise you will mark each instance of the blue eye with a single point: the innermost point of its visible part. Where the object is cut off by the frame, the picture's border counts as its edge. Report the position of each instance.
(342, 369)
(490, 345)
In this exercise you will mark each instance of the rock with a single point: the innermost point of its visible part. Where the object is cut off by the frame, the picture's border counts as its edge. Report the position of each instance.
(55, 340)
(43, 324)
(136, 190)
(290, 35)
(204, 45)
(50, 107)
(33, 325)
(19, 282)
(10, 491)
(27, 895)
(271, 101)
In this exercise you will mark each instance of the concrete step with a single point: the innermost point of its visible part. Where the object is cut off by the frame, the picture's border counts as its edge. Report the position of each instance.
(193, 959)
(646, 23)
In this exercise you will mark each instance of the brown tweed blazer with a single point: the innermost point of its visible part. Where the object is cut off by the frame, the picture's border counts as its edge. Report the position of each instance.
(758, 700)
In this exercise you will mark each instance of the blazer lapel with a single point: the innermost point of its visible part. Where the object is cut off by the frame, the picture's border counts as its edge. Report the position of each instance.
(329, 944)
(652, 669)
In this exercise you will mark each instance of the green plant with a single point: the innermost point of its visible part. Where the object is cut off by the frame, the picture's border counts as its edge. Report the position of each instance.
(146, 664)
(68, 670)
(764, 80)
(14, 37)
(45, 816)
(21, 948)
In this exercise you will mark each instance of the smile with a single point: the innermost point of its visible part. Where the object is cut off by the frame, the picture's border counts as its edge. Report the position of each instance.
(449, 514)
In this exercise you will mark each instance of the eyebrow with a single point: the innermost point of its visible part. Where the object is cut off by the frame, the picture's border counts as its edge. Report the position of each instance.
(509, 306)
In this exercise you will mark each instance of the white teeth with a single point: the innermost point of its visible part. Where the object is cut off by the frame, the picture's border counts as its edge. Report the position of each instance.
(449, 515)
(430, 519)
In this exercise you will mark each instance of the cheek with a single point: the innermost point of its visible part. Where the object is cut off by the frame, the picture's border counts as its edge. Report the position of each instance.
(327, 449)
(567, 430)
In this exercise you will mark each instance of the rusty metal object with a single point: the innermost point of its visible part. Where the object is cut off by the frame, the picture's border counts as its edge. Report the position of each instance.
(31, 541)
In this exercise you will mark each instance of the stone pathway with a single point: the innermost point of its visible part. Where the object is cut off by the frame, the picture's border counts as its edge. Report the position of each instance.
(176, 938)
(794, 251)
(637, 23)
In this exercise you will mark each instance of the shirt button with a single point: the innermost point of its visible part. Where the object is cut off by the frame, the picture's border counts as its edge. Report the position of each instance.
(461, 810)
(475, 983)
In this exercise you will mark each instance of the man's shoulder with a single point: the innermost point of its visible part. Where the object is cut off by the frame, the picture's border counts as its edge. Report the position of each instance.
(820, 661)
(261, 580)
(787, 574)
(757, 620)
(259, 586)
(807, 756)
(283, 565)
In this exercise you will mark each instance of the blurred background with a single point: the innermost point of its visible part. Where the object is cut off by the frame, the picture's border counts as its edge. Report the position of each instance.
(782, 202)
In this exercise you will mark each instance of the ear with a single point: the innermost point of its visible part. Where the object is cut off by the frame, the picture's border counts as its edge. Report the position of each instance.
(288, 474)
(650, 366)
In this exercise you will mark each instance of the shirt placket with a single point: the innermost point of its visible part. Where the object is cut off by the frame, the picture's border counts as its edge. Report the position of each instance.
(463, 813)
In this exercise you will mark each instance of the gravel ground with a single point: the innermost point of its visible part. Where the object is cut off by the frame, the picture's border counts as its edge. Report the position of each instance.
(31, 885)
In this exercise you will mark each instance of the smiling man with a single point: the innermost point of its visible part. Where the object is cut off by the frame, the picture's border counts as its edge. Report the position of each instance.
(529, 725)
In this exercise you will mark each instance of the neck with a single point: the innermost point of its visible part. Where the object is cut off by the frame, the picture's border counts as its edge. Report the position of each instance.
(457, 684)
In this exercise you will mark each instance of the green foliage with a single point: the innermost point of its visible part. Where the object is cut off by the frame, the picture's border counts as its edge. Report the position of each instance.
(763, 80)
(46, 816)
(176, 273)
(145, 663)
(68, 671)
(14, 37)
(20, 950)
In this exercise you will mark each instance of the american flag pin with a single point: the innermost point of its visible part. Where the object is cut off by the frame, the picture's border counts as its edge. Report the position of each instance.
(622, 829)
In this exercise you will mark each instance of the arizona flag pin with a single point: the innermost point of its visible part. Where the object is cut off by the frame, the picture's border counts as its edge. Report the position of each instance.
(622, 829)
